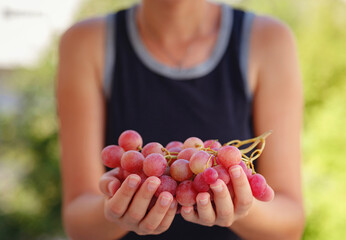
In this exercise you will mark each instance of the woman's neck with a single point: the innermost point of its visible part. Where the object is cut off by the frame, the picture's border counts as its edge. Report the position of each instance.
(187, 19)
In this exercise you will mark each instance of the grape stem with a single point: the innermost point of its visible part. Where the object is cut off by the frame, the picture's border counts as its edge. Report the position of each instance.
(254, 143)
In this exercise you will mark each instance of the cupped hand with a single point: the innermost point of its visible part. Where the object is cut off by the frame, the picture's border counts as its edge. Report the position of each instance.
(229, 206)
(127, 204)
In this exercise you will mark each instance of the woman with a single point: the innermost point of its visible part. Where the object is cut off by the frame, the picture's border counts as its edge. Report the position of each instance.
(172, 69)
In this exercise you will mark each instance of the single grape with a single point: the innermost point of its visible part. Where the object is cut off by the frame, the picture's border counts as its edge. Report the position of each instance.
(200, 161)
(222, 173)
(168, 184)
(180, 170)
(132, 161)
(186, 194)
(175, 150)
(153, 147)
(193, 142)
(247, 171)
(130, 140)
(111, 156)
(210, 175)
(199, 184)
(213, 144)
(229, 156)
(119, 173)
(154, 165)
(187, 153)
(258, 185)
(174, 144)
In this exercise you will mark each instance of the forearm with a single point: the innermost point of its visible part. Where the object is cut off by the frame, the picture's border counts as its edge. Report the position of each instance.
(281, 218)
(84, 219)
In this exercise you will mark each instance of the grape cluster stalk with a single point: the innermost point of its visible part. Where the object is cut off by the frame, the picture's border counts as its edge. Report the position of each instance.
(186, 168)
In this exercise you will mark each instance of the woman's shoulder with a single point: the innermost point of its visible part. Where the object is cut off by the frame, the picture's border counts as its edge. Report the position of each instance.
(85, 30)
(270, 34)
(84, 41)
(272, 44)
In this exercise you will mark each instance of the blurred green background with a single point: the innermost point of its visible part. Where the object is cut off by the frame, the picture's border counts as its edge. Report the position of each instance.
(29, 151)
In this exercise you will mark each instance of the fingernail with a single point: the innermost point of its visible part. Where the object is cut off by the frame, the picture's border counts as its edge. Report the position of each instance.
(133, 181)
(203, 201)
(165, 201)
(187, 210)
(236, 172)
(152, 185)
(216, 188)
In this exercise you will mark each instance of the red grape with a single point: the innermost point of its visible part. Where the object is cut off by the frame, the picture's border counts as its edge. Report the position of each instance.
(199, 184)
(130, 140)
(132, 161)
(258, 185)
(111, 156)
(193, 142)
(223, 173)
(247, 171)
(180, 170)
(168, 184)
(154, 165)
(200, 161)
(153, 147)
(229, 156)
(210, 175)
(187, 153)
(186, 194)
(175, 150)
(213, 144)
(174, 144)
(119, 173)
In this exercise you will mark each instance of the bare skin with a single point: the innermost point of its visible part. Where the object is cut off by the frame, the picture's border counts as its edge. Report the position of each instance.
(91, 210)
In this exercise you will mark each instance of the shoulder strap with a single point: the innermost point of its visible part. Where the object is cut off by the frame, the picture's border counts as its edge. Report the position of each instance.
(109, 53)
(244, 49)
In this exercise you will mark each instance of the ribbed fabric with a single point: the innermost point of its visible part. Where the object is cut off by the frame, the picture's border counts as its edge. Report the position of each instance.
(213, 106)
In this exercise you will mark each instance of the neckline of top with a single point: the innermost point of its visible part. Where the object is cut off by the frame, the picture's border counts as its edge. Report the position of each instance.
(196, 71)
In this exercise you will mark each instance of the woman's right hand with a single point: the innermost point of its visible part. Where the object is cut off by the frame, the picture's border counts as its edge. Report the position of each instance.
(126, 204)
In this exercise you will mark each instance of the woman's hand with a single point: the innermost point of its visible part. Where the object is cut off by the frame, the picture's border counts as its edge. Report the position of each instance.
(127, 204)
(228, 208)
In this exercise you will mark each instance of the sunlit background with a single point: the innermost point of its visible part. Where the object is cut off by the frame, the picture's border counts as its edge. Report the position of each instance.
(29, 153)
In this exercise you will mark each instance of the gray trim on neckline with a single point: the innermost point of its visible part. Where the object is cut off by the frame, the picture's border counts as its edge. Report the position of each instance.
(244, 51)
(185, 73)
(109, 54)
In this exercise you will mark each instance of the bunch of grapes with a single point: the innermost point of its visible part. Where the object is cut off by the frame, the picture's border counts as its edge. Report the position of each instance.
(185, 169)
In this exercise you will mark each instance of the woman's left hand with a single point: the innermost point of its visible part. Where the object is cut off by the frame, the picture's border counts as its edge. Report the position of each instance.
(227, 208)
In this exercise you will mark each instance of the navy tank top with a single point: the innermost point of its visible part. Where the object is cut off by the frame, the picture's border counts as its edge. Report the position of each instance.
(210, 101)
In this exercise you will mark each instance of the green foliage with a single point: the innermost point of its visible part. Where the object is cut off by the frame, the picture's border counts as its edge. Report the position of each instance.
(31, 206)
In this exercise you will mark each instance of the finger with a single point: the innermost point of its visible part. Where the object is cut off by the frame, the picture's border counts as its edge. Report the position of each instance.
(205, 210)
(189, 214)
(157, 213)
(168, 218)
(140, 202)
(268, 195)
(108, 183)
(119, 203)
(223, 203)
(242, 190)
